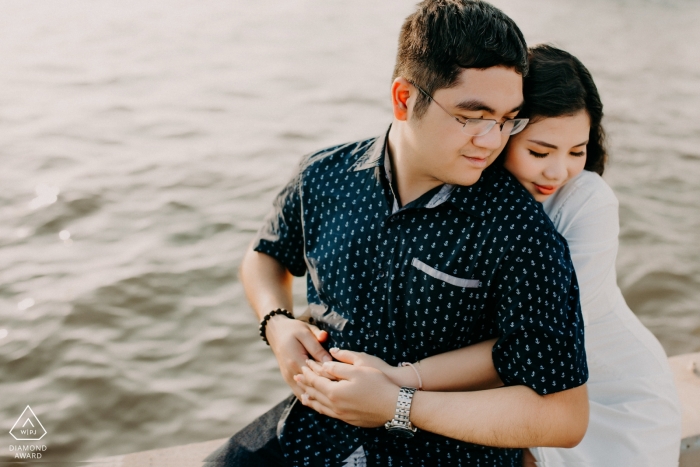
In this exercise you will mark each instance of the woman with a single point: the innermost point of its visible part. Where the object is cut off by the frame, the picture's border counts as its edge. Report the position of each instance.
(559, 158)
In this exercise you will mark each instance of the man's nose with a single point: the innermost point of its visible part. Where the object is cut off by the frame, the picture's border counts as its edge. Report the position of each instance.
(491, 140)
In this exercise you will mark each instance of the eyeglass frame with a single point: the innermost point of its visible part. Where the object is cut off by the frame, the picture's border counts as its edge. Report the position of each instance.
(467, 120)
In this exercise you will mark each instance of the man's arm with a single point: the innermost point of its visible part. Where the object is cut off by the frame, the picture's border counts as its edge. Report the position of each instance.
(268, 286)
(513, 417)
(509, 417)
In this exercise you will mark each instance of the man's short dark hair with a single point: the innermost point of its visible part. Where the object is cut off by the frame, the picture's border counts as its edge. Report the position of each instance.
(443, 37)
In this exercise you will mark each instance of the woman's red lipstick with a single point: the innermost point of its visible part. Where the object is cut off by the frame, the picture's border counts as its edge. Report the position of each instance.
(545, 189)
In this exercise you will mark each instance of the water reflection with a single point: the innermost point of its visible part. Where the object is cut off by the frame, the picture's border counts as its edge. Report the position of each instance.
(45, 196)
(25, 304)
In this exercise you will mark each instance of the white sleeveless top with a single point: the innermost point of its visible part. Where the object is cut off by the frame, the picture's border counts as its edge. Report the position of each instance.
(635, 417)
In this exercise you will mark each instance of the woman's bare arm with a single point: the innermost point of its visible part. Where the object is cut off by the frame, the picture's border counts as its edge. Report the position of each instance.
(467, 369)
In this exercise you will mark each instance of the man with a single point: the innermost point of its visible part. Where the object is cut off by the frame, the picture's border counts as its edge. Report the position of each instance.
(412, 250)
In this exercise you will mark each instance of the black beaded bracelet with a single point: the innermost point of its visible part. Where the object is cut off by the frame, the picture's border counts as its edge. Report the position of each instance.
(263, 323)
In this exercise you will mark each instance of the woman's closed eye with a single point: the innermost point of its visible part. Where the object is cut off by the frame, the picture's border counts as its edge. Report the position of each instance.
(578, 154)
(538, 154)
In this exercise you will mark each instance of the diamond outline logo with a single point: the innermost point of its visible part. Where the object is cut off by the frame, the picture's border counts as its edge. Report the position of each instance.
(28, 419)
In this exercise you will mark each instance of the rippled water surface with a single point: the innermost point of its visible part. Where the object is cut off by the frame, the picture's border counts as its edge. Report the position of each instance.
(141, 145)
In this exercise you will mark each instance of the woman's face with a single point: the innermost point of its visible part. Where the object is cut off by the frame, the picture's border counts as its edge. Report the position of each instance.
(549, 153)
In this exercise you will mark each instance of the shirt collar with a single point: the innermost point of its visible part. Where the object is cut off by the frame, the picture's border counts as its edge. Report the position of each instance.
(390, 178)
(467, 199)
(372, 153)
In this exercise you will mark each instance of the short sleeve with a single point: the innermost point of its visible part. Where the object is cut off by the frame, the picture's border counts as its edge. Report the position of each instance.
(541, 342)
(281, 235)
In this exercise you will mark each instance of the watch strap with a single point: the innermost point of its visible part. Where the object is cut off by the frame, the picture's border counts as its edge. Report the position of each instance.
(401, 423)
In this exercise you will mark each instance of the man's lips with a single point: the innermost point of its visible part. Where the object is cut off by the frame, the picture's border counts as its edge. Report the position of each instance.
(545, 189)
(477, 161)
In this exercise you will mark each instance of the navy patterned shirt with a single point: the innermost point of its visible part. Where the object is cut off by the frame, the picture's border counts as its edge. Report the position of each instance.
(457, 266)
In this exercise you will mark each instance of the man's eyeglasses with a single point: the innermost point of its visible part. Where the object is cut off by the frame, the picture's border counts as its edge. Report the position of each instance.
(481, 126)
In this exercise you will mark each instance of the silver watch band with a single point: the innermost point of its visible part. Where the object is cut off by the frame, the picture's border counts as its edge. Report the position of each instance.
(400, 424)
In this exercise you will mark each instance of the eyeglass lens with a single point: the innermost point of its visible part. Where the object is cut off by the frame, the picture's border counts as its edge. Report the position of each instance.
(479, 127)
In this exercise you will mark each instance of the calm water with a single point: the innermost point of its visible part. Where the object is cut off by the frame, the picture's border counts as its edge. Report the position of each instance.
(141, 145)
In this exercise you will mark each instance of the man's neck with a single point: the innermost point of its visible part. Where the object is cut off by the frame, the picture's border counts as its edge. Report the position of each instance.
(409, 182)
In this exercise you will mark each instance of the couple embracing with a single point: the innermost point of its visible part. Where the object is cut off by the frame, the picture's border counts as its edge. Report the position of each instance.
(454, 266)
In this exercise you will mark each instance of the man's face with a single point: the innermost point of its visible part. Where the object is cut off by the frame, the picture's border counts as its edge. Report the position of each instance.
(439, 149)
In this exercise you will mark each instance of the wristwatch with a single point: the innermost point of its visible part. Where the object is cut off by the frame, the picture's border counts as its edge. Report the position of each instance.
(400, 425)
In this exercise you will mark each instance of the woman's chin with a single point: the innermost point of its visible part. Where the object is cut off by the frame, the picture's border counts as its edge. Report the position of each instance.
(541, 197)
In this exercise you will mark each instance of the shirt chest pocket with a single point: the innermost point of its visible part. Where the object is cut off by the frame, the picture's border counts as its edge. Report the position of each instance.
(436, 293)
(440, 307)
(443, 277)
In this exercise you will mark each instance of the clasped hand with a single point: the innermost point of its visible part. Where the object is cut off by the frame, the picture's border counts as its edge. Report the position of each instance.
(353, 389)
(358, 388)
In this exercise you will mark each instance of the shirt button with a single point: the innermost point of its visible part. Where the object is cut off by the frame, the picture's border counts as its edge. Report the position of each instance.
(380, 275)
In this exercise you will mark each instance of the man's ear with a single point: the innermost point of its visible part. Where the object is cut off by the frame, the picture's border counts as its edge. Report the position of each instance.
(401, 92)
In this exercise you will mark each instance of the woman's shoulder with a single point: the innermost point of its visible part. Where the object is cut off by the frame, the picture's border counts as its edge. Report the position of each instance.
(586, 191)
(585, 187)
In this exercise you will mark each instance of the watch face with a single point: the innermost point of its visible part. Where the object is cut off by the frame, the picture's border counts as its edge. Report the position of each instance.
(401, 431)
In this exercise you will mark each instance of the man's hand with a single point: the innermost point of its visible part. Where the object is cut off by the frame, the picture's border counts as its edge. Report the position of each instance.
(360, 395)
(268, 286)
(293, 342)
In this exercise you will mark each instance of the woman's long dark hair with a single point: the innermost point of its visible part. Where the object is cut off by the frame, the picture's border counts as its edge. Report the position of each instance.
(558, 85)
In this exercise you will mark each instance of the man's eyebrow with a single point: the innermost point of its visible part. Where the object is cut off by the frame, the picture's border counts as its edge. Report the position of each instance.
(549, 145)
(475, 105)
(518, 108)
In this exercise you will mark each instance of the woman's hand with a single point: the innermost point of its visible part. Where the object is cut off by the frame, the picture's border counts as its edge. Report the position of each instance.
(401, 376)
(359, 395)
